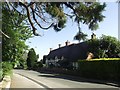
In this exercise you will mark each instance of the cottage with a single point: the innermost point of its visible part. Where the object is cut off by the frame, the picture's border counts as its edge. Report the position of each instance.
(68, 55)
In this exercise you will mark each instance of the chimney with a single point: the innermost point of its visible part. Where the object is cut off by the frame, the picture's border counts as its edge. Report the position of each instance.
(59, 45)
(93, 36)
(67, 43)
(50, 49)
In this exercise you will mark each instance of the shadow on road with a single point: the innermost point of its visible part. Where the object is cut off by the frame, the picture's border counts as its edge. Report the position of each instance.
(76, 78)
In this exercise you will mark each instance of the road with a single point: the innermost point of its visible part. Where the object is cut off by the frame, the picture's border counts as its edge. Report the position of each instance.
(32, 79)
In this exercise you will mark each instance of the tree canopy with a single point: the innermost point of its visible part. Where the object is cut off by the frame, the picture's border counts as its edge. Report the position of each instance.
(54, 15)
(105, 46)
(80, 36)
(13, 47)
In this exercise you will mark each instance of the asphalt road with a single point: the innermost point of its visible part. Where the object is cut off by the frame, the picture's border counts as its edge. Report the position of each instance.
(32, 79)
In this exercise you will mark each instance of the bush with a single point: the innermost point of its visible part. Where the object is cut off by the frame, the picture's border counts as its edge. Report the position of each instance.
(7, 67)
(37, 66)
(100, 69)
(1, 71)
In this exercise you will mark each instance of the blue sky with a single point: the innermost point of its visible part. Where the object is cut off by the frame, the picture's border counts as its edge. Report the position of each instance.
(51, 39)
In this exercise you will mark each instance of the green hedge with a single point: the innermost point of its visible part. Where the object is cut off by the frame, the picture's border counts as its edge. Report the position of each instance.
(106, 59)
(100, 69)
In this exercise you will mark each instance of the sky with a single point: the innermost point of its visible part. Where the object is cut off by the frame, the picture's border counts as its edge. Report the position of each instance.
(51, 39)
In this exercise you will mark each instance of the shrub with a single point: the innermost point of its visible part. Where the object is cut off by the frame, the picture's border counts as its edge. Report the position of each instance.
(7, 67)
(100, 69)
(1, 71)
(37, 65)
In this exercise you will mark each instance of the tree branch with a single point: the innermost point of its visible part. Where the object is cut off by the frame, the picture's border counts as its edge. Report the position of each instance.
(40, 17)
(71, 7)
(39, 23)
(31, 3)
(28, 15)
(69, 15)
(75, 12)
(14, 8)
(4, 34)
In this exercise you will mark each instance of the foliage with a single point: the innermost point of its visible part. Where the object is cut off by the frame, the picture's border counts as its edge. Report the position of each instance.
(54, 14)
(38, 66)
(22, 64)
(44, 59)
(1, 71)
(7, 68)
(37, 56)
(106, 46)
(80, 36)
(110, 45)
(102, 69)
(31, 59)
(94, 47)
(14, 47)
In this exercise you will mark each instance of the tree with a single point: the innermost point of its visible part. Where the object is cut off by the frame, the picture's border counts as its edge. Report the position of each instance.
(106, 46)
(13, 26)
(94, 47)
(53, 14)
(110, 45)
(80, 36)
(37, 56)
(31, 59)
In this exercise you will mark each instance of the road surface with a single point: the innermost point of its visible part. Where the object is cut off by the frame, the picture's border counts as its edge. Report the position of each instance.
(32, 79)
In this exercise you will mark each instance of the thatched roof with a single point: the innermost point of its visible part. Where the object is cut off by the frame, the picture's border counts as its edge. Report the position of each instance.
(71, 52)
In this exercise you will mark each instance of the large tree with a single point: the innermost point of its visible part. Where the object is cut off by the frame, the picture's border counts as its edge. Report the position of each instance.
(13, 45)
(105, 46)
(110, 45)
(46, 15)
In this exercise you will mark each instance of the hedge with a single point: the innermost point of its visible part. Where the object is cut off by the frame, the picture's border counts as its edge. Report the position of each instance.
(106, 59)
(100, 69)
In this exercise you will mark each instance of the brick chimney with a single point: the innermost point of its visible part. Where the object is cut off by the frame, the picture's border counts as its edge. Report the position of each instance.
(93, 36)
(50, 49)
(67, 43)
(59, 45)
